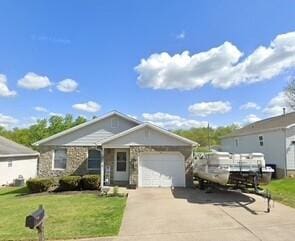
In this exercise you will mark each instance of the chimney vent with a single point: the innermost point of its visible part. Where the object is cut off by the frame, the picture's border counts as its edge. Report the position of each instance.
(284, 111)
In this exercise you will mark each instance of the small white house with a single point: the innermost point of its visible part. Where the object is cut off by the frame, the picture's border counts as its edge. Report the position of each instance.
(123, 150)
(16, 160)
(274, 137)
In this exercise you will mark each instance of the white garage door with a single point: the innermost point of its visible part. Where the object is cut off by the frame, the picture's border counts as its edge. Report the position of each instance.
(161, 170)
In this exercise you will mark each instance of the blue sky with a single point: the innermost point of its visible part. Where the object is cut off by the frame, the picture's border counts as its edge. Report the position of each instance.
(99, 46)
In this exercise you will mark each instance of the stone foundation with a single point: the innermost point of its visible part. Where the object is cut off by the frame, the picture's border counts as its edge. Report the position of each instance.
(135, 151)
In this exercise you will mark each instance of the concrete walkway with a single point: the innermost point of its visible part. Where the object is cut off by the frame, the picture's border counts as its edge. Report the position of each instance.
(187, 214)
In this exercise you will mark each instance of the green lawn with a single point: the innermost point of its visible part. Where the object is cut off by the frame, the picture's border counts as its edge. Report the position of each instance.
(68, 216)
(283, 190)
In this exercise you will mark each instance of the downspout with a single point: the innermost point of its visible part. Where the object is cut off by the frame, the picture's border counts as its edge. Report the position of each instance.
(101, 166)
(285, 150)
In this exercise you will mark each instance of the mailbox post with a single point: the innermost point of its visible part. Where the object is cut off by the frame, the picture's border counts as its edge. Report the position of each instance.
(36, 221)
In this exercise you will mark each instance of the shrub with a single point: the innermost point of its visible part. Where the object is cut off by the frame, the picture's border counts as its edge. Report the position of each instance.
(36, 185)
(69, 183)
(90, 182)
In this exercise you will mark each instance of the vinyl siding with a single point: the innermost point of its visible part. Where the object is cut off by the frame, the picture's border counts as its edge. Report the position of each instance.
(147, 137)
(290, 148)
(25, 166)
(273, 146)
(91, 134)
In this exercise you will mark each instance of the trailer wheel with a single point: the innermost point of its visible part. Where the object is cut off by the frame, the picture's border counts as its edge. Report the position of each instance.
(201, 184)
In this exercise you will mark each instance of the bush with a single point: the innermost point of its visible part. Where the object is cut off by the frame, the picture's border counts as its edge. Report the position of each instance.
(70, 183)
(36, 185)
(90, 182)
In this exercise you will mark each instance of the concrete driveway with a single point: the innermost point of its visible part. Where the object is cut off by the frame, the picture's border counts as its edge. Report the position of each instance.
(188, 214)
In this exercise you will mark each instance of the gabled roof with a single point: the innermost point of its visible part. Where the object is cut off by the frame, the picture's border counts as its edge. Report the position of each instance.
(90, 122)
(273, 123)
(10, 148)
(124, 133)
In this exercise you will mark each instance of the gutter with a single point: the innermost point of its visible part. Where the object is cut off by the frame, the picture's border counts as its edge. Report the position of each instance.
(20, 155)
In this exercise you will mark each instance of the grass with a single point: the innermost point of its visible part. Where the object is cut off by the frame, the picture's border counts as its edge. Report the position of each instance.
(68, 215)
(283, 190)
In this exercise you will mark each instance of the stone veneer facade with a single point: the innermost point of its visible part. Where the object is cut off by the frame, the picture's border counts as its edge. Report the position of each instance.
(77, 161)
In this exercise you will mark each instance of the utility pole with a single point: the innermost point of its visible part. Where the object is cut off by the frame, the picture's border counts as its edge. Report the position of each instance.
(209, 147)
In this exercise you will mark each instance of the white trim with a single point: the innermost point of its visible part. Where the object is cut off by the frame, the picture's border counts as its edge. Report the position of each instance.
(290, 126)
(139, 178)
(93, 169)
(53, 156)
(21, 155)
(123, 133)
(127, 163)
(102, 168)
(86, 124)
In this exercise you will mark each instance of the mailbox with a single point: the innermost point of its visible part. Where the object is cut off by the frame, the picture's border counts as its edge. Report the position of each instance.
(35, 219)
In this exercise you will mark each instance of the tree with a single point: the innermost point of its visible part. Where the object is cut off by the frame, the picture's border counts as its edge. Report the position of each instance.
(290, 93)
(200, 135)
(41, 129)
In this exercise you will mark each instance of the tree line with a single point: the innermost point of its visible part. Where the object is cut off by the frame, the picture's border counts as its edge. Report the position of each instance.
(47, 127)
(42, 129)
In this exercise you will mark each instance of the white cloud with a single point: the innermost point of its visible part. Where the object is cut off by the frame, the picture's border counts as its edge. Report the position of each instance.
(55, 114)
(221, 66)
(181, 35)
(7, 121)
(67, 85)
(89, 106)
(251, 118)
(33, 81)
(250, 105)
(275, 105)
(51, 39)
(208, 108)
(172, 122)
(4, 90)
(40, 109)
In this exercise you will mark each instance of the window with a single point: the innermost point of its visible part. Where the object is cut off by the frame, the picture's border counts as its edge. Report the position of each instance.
(9, 164)
(236, 142)
(260, 138)
(146, 133)
(94, 159)
(60, 159)
(121, 161)
(114, 123)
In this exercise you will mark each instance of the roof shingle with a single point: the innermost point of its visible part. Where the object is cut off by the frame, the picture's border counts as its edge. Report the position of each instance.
(10, 148)
(276, 122)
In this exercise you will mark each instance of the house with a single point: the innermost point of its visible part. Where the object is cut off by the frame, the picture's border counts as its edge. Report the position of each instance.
(122, 150)
(16, 160)
(274, 137)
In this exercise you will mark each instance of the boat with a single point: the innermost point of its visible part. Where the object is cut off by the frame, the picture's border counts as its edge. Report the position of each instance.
(224, 168)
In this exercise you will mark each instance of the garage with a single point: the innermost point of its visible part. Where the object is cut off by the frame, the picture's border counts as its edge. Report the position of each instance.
(161, 169)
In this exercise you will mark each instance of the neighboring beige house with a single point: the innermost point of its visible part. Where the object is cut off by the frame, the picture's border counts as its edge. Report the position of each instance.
(16, 160)
(122, 149)
(274, 137)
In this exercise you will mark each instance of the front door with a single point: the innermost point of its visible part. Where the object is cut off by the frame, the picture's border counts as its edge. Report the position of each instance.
(121, 165)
